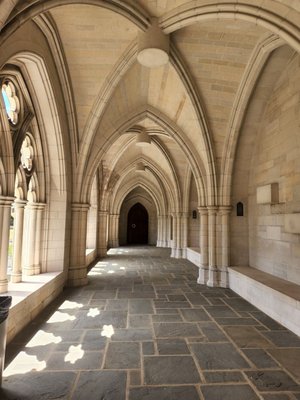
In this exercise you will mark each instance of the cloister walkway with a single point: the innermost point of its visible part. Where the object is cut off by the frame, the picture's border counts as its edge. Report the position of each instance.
(144, 329)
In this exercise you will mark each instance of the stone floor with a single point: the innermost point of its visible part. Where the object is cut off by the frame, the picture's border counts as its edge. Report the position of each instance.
(144, 329)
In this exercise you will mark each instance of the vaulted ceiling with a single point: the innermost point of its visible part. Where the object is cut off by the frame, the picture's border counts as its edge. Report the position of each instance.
(188, 107)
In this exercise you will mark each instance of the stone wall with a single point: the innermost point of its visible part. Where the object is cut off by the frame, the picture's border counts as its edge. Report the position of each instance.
(272, 248)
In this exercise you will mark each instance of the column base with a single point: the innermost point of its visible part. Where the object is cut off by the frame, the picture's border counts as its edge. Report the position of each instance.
(173, 253)
(212, 277)
(203, 274)
(3, 286)
(178, 253)
(159, 243)
(37, 269)
(102, 252)
(224, 278)
(16, 278)
(184, 253)
(28, 271)
(77, 277)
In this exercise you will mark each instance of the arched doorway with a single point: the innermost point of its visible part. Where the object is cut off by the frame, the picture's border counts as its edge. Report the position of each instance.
(137, 225)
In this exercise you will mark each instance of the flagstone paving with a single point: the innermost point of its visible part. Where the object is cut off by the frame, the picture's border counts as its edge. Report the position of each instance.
(144, 329)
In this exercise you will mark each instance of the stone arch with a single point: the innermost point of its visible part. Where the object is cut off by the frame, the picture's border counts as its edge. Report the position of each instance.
(46, 125)
(196, 11)
(32, 9)
(170, 128)
(251, 75)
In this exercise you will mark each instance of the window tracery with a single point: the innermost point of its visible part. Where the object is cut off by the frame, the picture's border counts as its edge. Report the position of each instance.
(11, 101)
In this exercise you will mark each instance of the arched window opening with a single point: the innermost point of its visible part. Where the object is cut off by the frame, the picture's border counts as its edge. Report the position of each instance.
(11, 101)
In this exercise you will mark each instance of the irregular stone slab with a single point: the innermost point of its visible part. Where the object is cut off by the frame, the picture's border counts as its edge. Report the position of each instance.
(228, 392)
(212, 332)
(122, 355)
(136, 295)
(143, 288)
(140, 307)
(104, 294)
(196, 299)
(135, 378)
(218, 356)
(289, 359)
(171, 304)
(108, 385)
(76, 359)
(195, 315)
(276, 397)
(239, 304)
(116, 305)
(247, 336)
(167, 318)
(260, 358)
(131, 335)
(93, 340)
(166, 311)
(283, 338)
(222, 377)
(139, 321)
(176, 297)
(267, 321)
(272, 381)
(148, 348)
(160, 370)
(172, 346)
(164, 393)
(174, 329)
(38, 385)
(220, 311)
(236, 321)
(118, 319)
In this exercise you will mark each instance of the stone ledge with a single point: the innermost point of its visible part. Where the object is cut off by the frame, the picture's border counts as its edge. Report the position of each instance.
(193, 255)
(30, 297)
(276, 297)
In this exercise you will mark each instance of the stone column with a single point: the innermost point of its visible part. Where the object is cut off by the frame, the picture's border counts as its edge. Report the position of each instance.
(38, 235)
(164, 231)
(115, 233)
(184, 224)
(159, 231)
(5, 212)
(77, 275)
(178, 253)
(224, 212)
(173, 226)
(102, 233)
(19, 206)
(203, 270)
(29, 239)
(212, 271)
(110, 230)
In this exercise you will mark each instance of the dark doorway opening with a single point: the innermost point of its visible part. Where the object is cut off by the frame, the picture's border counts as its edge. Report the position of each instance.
(137, 225)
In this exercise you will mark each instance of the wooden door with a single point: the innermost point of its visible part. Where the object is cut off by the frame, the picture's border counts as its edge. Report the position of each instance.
(137, 225)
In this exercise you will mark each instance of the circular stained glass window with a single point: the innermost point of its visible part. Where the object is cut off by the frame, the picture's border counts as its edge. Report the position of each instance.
(11, 102)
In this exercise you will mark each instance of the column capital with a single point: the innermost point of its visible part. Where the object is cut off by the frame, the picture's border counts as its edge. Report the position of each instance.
(35, 206)
(19, 203)
(202, 210)
(102, 212)
(80, 207)
(212, 210)
(224, 210)
(6, 201)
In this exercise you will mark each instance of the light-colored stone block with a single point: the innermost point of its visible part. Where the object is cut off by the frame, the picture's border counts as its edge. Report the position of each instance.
(292, 223)
(267, 194)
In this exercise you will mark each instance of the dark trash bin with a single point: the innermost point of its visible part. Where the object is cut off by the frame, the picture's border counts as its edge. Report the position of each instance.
(5, 302)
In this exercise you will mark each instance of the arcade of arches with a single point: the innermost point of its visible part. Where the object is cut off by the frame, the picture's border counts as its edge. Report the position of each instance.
(199, 154)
